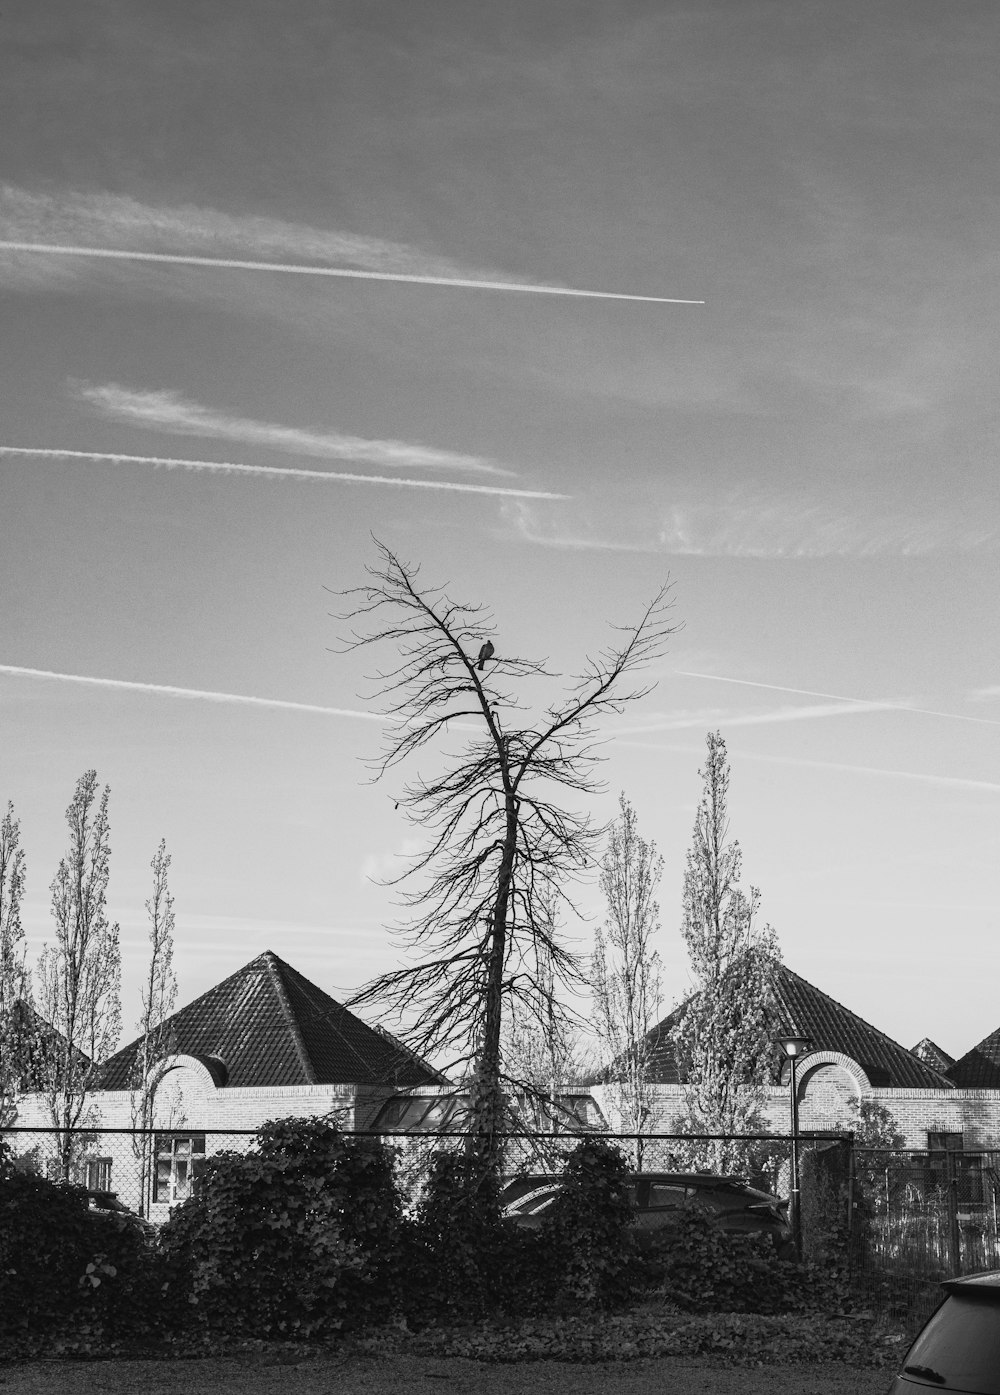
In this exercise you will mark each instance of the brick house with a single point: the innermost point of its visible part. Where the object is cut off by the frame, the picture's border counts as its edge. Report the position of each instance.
(936, 1102)
(265, 1043)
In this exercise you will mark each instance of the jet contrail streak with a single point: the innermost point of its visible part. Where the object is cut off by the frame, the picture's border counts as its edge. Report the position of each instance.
(839, 697)
(166, 690)
(274, 471)
(304, 269)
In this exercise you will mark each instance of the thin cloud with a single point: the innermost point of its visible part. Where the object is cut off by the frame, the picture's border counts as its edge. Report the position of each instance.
(197, 694)
(985, 694)
(771, 528)
(103, 227)
(918, 777)
(170, 412)
(838, 708)
(865, 703)
(230, 467)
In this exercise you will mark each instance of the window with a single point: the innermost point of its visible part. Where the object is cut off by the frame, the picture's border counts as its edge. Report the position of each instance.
(946, 1161)
(661, 1194)
(179, 1160)
(98, 1174)
(945, 1142)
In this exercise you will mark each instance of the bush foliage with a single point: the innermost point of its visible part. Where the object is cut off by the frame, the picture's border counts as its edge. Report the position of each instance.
(64, 1267)
(304, 1238)
(293, 1239)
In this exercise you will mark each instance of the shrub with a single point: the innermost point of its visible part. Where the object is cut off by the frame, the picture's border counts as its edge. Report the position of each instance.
(586, 1239)
(702, 1268)
(63, 1266)
(295, 1238)
(458, 1256)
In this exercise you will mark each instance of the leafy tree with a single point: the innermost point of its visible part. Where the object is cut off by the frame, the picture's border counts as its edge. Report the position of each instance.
(626, 969)
(723, 1040)
(14, 987)
(79, 976)
(159, 997)
(501, 845)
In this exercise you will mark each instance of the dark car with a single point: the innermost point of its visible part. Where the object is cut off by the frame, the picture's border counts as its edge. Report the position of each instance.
(958, 1348)
(660, 1197)
(105, 1206)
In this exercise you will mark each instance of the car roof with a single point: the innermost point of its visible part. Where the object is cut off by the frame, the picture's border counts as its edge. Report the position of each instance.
(526, 1182)
(984, 1285)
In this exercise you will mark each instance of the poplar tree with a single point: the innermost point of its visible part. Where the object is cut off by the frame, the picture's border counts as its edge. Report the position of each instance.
(723, 1041)
(79, 976)
(626, 972)
(15, 1014)
(159, 998)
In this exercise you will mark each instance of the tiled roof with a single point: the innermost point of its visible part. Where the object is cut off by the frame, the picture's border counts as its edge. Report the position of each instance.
(34, 1038)
(807, 1011)
(933, 1055)
(979, 1069)
(268, 1025)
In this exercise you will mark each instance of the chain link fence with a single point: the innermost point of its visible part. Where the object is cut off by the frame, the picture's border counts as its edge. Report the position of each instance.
(148, 1172)
(909, 1219)
(920, 1217)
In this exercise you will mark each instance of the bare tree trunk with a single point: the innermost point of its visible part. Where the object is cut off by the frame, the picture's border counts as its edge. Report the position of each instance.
(499, 846)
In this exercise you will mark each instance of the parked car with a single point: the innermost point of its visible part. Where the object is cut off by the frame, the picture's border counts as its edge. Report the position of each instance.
(660, 1197)
(106, 1206)
(958, 1348)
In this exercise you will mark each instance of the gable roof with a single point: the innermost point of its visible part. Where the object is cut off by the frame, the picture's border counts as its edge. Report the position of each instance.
(32, 1040)
(979, 1069)
(267, 1024)
(806, 1010)
(933, 1055)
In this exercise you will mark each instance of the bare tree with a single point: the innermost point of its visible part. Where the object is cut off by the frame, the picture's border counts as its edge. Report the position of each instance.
(546, 1056)
(626, 969)
(159, 997)
(79, 976)
(15, 1015)
(723, 1040)
(501, 845)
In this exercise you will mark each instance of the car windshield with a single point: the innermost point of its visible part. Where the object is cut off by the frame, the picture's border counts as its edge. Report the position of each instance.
(960, 1345)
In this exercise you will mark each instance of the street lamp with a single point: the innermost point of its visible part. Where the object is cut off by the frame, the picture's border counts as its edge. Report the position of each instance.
(794, 1047)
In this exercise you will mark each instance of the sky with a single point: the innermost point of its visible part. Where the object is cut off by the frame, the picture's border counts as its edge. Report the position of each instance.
(281, 277)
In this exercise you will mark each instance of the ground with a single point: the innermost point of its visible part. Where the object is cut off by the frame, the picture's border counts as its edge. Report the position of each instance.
(261, 1374)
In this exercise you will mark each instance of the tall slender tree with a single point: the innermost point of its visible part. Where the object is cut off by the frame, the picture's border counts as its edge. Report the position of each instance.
(543, 1058)
(501, 843)
(626, 972)
(723, 1041)
(79, 976)
(159, 997)
(15, 1015)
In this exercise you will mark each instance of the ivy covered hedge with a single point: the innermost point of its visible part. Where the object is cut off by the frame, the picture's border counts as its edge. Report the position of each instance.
(304, 1238)
(298, 1237)
(67, 1269)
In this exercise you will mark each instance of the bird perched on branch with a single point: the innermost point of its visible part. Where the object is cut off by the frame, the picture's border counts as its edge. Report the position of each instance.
(486, 652)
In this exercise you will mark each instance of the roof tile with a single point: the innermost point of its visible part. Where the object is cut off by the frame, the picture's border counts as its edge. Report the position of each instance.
(806, 1010)
(269, 1025)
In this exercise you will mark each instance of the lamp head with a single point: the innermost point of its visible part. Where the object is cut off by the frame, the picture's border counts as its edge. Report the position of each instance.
(794, 1046)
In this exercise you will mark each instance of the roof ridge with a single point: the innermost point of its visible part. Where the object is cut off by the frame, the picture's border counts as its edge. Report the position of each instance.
(332, 1013)
(275, 965)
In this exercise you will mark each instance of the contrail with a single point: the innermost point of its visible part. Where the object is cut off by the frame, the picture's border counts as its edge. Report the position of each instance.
(53, 249)
(946, 781)
(202, 695)
(752, 719)
(839, 697)
(274, 471)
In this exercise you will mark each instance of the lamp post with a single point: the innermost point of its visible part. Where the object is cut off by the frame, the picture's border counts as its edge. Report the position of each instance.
(794, 1047)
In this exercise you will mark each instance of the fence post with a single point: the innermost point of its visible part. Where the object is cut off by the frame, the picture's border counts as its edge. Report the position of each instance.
(954, 1235)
